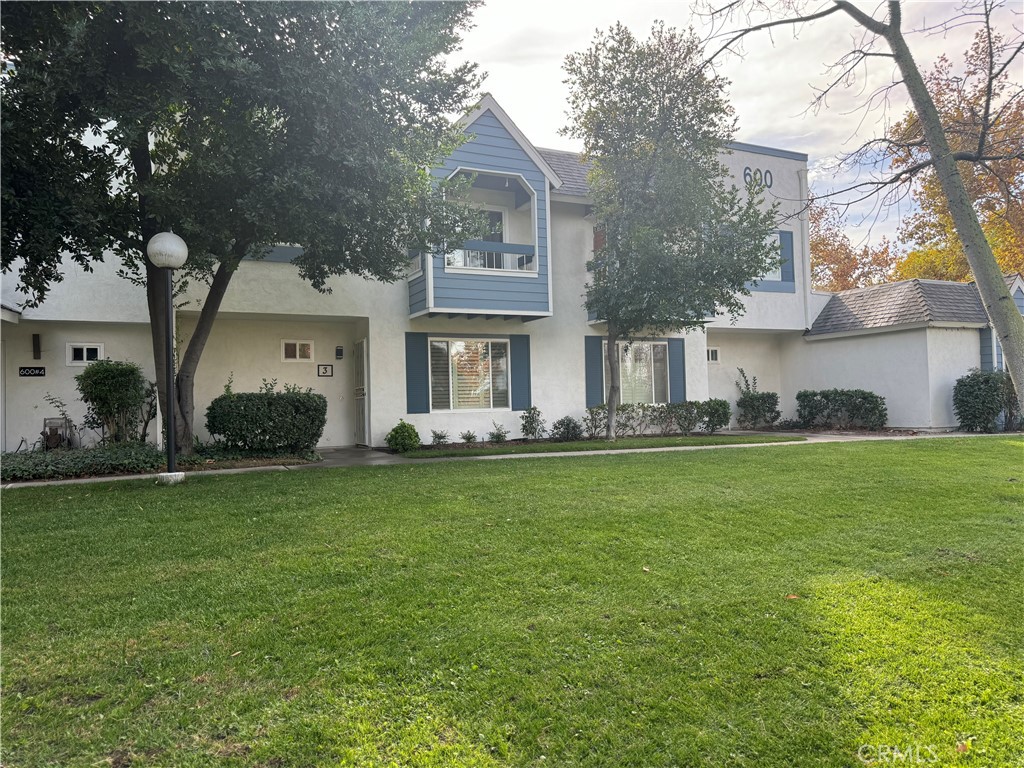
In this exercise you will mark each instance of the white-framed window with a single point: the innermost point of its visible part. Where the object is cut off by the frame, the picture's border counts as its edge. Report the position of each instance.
(643, 371)
(713, 355)
(469, 374)
(296, 351)
(775, 240)
(83, 352)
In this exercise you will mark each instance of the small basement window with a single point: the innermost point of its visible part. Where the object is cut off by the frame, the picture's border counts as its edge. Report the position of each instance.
(296, 351)
(83, 352)
(712, 354)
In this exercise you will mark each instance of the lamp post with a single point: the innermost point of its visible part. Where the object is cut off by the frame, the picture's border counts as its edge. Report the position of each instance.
(168, 252)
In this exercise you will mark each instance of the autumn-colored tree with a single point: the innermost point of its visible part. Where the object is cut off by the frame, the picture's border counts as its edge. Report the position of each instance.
(836, 264)
(994, 186)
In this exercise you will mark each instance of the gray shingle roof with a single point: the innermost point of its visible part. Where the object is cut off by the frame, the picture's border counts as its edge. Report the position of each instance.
(570, 170)
(905, 303)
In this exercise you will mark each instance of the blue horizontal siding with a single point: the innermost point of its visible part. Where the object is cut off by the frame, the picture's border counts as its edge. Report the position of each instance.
(985, 342)
(1018, 299)
(492, 148)
(417, 294)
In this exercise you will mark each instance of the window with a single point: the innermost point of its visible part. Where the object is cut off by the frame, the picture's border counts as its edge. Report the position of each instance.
(83, 352)
(503, 256)
(712, 354)
(643, 371)
(775, 240)
(293, 351)
(495, 226)
(468, 374)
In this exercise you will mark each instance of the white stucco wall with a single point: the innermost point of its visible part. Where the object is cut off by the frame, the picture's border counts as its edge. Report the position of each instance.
(894, 365)
(952, 352)
(24, 406)
(758, 354)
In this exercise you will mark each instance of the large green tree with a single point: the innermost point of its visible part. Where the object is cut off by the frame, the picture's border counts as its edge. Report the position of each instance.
(677, 242)
(241, 125)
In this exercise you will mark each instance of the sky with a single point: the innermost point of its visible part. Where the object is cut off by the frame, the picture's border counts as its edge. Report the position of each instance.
(521, 45)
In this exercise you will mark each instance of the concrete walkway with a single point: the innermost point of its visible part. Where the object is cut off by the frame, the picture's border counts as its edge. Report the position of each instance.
(367, 457)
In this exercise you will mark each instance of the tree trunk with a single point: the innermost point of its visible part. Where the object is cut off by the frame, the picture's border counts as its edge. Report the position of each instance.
(995, 295)
(190, 360)
(612, 355)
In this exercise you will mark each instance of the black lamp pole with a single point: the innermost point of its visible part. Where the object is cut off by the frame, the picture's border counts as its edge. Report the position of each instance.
(171, 399)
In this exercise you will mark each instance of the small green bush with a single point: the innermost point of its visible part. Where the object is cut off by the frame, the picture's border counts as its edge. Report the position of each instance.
(403, 437)
(439, 437)
(755, 409)
(627, 420)
(533, 427)
(841, 409)
(467, 436)
(663, 419)
(113, 459)
(258, 422)
(566, 430)
(980, 397)
(715, 415)
(687, 415)
(115, 393)
(595, 422)
(498, 433)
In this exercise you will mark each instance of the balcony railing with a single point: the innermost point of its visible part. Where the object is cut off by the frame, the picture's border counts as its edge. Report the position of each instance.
(484, 254)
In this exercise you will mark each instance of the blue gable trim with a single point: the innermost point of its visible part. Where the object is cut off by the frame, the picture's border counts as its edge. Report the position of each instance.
(676, 371)
(519, 364)
(417, 373)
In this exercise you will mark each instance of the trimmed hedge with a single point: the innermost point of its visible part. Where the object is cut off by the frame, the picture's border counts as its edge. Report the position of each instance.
(980, 397)
(258, 422)
(716, 414)
(403, 437)
(566, 429)
(841, 408)
(116, 459)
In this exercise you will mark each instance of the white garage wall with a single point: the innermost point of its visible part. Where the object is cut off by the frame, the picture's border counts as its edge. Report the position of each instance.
(952, 352)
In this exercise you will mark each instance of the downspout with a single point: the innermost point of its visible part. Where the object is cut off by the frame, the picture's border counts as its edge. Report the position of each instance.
(805, 245)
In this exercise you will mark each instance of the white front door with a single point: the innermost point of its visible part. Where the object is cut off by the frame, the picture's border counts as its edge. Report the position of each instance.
(362, 409)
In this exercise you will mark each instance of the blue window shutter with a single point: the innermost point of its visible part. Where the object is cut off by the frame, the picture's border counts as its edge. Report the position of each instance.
(594, 364)
(676, 371)
(417, 373)
(985, 335)
(786, 238)
(519, 354)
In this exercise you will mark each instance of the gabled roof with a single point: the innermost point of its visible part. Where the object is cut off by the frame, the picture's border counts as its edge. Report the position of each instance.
(488, 103)
(570, 169)
(906, 303)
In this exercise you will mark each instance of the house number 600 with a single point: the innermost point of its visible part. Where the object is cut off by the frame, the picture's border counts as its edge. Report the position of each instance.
(758, 176)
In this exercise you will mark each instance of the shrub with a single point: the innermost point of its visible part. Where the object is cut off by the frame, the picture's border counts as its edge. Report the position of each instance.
(115, 393)
(260, 422)
(643, 417)
(756, 409)
(566, 430)
(533, 427)
(468, 437)
(403, 437)
(980, 397)
(114, 459)
(627, 420)
(715, 415)
(498, 433)
(687, 415)
(438, 437)
(841, 408)
(787, 425)
(595, 422)
(663, 419)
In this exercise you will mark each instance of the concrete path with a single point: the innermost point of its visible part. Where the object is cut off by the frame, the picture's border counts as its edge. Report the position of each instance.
(367, 457)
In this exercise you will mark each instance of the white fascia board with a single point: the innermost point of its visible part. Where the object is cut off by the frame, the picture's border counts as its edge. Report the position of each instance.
(488, 103)
(10, 315)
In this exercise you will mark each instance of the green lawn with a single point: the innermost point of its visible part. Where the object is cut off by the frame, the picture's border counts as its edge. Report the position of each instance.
(622, 443)
(775, 606)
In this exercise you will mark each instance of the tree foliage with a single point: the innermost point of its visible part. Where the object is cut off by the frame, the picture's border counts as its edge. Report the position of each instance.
(995, 186)
(838, 265)
(677, 242)
(241, 125)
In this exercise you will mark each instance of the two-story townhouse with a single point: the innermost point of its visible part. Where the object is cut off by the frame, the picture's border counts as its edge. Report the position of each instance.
(481, 333)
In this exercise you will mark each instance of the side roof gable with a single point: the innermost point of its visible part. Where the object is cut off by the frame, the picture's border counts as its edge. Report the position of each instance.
(488, 104)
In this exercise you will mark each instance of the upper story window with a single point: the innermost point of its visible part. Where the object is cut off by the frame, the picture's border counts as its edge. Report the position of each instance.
(775, 241)
(508, 244)
(469, 374)
(83, 352)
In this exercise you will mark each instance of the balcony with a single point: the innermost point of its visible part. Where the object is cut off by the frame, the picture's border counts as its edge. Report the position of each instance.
(514, 258)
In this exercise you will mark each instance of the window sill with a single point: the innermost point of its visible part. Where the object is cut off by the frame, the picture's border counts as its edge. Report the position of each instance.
(490, 272)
